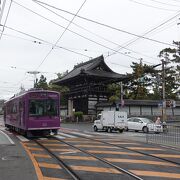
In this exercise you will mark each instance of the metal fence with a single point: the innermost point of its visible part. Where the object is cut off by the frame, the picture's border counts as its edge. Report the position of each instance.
(170, 136)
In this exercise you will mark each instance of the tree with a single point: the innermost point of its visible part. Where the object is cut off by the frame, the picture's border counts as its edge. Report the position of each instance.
(171, 58)
(41, 83)
(141, 80)
(114, 89)
(61, 89)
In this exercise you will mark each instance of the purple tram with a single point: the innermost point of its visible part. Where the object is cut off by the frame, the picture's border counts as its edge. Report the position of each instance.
(35, 112)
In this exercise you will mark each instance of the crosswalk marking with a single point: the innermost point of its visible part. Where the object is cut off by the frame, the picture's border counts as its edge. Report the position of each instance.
(145, 148)
(66, 135)
(41, 155)
(42, 138)
(167, 155)
(78, 158)
(81, 134)
(156, 174)
(22, 138)
(52, 178)
(95, 169)
(97, 146)
(114, 152)
(60, 137)
(49, 165)
(99, 133)
(137, 161)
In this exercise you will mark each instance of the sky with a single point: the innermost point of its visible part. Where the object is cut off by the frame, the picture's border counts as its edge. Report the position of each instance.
(39, 36)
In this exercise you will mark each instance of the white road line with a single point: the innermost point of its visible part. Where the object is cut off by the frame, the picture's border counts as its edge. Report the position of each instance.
(69, 129)
(60, 137)
(42, 138)
(100, 133)
(69, 152)
(66, 135)
(81, 134)
(10, 140)
(22, 138)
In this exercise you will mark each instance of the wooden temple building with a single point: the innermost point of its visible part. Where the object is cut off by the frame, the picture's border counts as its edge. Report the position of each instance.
(87, 84)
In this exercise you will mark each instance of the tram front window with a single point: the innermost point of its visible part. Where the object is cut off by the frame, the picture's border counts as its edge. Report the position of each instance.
(43, 107)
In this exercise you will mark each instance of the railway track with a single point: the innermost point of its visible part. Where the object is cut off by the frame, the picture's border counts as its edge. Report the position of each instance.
(78, 159)
(69, 171)
(132, 150)
(73, 173)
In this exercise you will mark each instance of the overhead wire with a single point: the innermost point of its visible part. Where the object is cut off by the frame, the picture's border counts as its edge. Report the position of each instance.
(83, 36)
(148, 32)
(159, 2)
(17, 37)
(61, 35)
(165, 27)
(54, 45)
(98, 35)
(155, 7)
(41, 41)
(6, 19)
(103, 24)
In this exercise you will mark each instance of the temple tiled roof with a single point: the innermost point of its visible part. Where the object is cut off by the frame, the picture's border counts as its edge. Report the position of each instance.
(94, 68)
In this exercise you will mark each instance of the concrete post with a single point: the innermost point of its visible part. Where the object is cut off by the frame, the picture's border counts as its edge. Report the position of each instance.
(70, 107)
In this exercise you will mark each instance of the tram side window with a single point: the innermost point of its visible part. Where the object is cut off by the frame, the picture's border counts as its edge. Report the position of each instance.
(51, 108)
(36, 108)
(13, 108)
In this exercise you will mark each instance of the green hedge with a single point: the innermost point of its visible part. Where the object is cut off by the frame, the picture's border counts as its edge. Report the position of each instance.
(78, 114)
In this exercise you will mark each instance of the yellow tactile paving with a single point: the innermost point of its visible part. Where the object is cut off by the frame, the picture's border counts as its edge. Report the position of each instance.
(140, 162)
(35, 149)
(30, 144)
(48, 140)
(115, 152)
(95, 169)
(167, 155)
(41, 155)
(37, 169)
(62, 150)
(145, 148)
(97, 146)
(51, 178)
(116, 143)
(79, 158)
(90, 142)
(156, 174)
(107, 140)
(56, 145)
(49, 165)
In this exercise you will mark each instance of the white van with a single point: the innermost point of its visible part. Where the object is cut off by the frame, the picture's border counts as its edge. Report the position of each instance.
(111, 120)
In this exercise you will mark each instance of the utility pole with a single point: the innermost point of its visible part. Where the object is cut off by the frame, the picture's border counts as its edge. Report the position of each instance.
(122, 93)
(2, 9)
(163, 91)
(35, 75)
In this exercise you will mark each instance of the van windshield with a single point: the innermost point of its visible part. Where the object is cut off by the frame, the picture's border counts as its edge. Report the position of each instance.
(98, 116)
(44, 107)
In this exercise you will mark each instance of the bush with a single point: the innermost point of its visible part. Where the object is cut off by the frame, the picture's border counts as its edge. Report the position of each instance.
(78, 115)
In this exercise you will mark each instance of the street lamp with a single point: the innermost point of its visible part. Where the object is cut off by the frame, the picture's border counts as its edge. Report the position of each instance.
(35, 75)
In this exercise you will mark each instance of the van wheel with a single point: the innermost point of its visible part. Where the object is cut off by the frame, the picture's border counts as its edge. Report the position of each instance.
(120, 130)
(95, 128)
(109, 130)
(145, 129)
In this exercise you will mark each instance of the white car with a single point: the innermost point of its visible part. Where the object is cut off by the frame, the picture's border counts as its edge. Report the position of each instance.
(143, 124)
